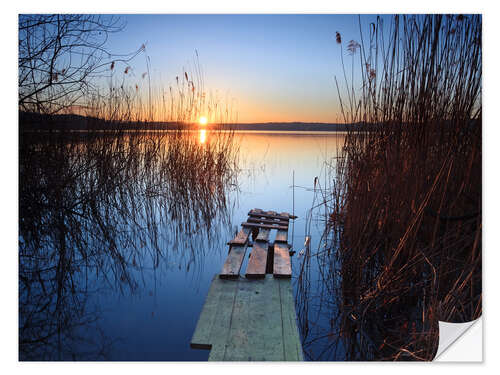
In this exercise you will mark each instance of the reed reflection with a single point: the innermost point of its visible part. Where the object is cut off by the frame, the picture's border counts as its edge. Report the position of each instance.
(99, 210)
(340, 320)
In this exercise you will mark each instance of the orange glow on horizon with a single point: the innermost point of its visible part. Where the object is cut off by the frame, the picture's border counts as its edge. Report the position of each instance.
(203, 120)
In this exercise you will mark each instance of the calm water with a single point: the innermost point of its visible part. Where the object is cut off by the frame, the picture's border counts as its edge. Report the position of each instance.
(144, 305)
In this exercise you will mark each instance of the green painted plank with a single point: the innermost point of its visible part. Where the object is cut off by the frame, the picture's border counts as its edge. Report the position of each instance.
(249, 320)
(291, 338)
(201, 338)
(256, 327)
(269, 345)
(220, 328)
(234, 260)
(237, 346)
(258, 259)
(282, 265)
(215, 317)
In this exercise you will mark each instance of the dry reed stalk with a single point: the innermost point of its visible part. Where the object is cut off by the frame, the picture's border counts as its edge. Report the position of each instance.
(405, 220)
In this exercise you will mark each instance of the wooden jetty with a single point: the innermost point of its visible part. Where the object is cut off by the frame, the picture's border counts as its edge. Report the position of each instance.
(252, 318)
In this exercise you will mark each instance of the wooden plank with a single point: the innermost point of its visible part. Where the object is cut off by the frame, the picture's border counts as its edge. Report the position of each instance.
(258, 259)
(266, 226)
(257, 264)
(249, 320)
(282, 264)
(214, 321)
(238, 337)
(201, 336)
(219, 332)
(268, 346)
(241, 238)
(256, 332)
(257, 214)
(267, 221)
(263, 235)
(281, 236)
(292, 346)
(234, 260)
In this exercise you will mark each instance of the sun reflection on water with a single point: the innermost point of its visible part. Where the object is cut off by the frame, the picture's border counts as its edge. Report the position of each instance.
(203, 135)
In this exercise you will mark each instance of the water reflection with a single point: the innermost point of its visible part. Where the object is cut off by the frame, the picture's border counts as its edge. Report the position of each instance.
(340, 320)
(96, 213)
(203, 135)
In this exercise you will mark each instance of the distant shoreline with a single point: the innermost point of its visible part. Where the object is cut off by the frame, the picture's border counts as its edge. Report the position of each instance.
(290, 126)
(38, 122)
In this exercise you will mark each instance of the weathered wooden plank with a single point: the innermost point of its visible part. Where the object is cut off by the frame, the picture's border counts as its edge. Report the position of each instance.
(256, 332)
(258, 259)
(266, 226)
(237, 341)
(263, 235)
(267, 221)
(292, 346)
(234, 260)
(254, 318)
(249, 320)
(281, 236)
(241, 238)
(201, 337)
(220, 328)
(269, 344)
(282, 264)
(289, 216)
(214, 321)
(262, 214)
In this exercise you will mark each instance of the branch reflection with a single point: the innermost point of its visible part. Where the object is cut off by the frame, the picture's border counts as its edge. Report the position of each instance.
(97, 210)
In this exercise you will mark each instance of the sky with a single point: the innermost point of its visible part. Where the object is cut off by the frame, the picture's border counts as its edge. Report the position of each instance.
(270, 68)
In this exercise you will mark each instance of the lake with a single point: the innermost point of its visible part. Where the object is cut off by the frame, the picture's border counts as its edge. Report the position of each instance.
(135, 259)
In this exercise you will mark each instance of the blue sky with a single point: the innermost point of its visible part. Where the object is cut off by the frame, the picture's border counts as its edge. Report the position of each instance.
(271, 67)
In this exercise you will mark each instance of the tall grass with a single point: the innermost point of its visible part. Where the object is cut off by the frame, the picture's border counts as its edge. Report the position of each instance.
(129, 96)
(404, 218)
(98, 209)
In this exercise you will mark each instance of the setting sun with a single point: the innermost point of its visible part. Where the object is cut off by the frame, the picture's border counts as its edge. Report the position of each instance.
(203, 120)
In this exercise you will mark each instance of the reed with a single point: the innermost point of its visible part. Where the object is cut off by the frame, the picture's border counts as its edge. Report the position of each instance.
(100, 208)
(404, 222)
